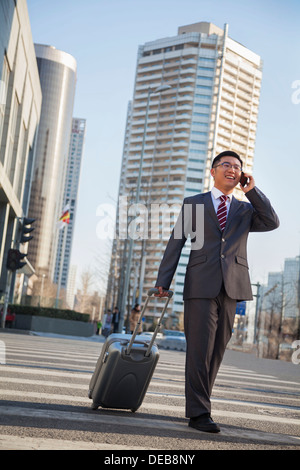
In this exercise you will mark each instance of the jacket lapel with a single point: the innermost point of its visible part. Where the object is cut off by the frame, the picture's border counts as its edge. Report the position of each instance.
(209, 207)
(234, 205)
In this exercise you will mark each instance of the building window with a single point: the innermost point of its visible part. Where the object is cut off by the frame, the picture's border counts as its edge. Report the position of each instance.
(194, 180)
(3, 93)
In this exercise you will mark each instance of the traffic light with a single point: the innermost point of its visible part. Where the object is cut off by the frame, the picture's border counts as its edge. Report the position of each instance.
(14, 259)
(26, 229)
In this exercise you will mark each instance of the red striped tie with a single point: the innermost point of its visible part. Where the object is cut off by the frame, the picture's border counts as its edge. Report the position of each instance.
(222, 212)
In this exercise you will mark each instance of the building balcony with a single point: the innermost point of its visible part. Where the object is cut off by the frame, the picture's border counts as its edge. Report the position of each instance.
(180, 144)
(183, 125)
(186, 80)
(229, 79)
(140, 79)
(186, 89)
(150, 68)
(227, 106)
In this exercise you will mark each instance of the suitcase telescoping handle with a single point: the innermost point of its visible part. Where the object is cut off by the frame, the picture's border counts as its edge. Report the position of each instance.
(150, 292)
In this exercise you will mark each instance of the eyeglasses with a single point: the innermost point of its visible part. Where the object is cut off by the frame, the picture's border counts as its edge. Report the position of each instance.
(228, 166)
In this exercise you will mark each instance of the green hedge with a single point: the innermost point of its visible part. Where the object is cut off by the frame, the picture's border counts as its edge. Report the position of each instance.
(48, 312)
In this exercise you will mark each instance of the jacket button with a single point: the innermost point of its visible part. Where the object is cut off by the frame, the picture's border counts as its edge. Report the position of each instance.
(223, 239)
(222, 256)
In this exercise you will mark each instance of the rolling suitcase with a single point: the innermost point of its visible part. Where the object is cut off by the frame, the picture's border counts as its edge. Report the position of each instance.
(125, 367)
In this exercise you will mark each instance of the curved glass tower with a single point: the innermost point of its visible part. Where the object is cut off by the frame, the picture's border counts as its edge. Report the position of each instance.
(57, 71)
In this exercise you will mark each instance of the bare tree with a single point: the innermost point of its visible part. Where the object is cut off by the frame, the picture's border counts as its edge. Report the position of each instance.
(277, 299)
(101, 268)
(44, 292)
(84, 293)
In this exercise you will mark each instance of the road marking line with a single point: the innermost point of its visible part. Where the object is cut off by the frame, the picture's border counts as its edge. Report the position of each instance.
(54, 356)
(84, 386)
(271, 386)
(57, 352)
(276, 407)
(149, 406)
(44, 383)
(43, 352)
(13, 442)
(225, 374)
(129, 420)
(43, 371)
(227, 414)
(66, 374)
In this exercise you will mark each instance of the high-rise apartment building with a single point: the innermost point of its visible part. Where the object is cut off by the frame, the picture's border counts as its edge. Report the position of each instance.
(291, 273)
(20, 107)
(64, 246)
(211, 105)
(57, 71)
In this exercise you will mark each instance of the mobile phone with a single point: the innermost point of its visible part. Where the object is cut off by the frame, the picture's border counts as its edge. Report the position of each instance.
(244, 179)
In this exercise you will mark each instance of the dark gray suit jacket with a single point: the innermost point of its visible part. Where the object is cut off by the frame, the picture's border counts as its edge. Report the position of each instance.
(223, 256)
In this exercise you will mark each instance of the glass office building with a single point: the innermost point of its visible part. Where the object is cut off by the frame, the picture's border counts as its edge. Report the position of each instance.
(57, 71)
(20, 107)
(211, 105)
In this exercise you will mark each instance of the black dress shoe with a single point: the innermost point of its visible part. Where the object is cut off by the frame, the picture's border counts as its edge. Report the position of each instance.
(204, 423)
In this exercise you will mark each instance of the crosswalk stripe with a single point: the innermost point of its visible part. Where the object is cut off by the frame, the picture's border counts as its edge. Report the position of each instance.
(55, 356)
(84, 387)
(61, 365)
(264, 378)
(227, 414)
(135, 421)
(13, 442)
(272, 386)
(40, 371)
(152, 406)
(226, 392)
(58, 352)
(175, 382)
(45, 383)
(93, 359)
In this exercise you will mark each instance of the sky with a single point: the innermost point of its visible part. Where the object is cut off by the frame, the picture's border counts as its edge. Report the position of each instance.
(104, 35)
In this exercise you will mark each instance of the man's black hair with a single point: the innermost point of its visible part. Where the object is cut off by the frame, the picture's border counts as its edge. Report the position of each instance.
(226, 153)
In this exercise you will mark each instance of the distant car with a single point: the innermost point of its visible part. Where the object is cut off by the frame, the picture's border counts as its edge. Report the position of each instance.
(173, 333)
(177, 343)
(158, 338)
(150, 333)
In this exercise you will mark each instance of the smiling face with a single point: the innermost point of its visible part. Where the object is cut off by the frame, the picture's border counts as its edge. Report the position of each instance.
(226, 179)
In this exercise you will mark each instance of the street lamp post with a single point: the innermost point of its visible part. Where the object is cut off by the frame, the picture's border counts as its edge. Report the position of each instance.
(151, 91)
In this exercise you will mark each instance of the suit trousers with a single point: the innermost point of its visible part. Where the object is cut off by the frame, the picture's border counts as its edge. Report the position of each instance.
(208, 327)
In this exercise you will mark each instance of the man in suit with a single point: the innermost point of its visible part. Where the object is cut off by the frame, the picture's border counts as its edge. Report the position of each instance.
(216, 277)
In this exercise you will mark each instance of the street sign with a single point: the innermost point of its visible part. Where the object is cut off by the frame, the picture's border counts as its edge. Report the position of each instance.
(241, 308)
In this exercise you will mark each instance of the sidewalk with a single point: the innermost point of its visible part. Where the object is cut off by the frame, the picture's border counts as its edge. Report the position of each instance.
(94, 338)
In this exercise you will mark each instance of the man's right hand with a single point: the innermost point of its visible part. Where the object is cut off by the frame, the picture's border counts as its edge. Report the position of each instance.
(162, 292)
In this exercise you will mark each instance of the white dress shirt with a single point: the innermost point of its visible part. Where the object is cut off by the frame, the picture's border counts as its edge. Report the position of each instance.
(215, 197)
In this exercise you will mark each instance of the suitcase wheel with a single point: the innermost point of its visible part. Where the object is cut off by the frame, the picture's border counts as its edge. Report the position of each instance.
(90, 394)
(94, 406)
(133, 410)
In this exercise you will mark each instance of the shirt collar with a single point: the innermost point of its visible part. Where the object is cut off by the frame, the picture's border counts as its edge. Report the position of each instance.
(217, 193)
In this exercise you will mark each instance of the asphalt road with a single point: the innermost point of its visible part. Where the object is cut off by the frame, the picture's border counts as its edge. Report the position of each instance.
(44, 404)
